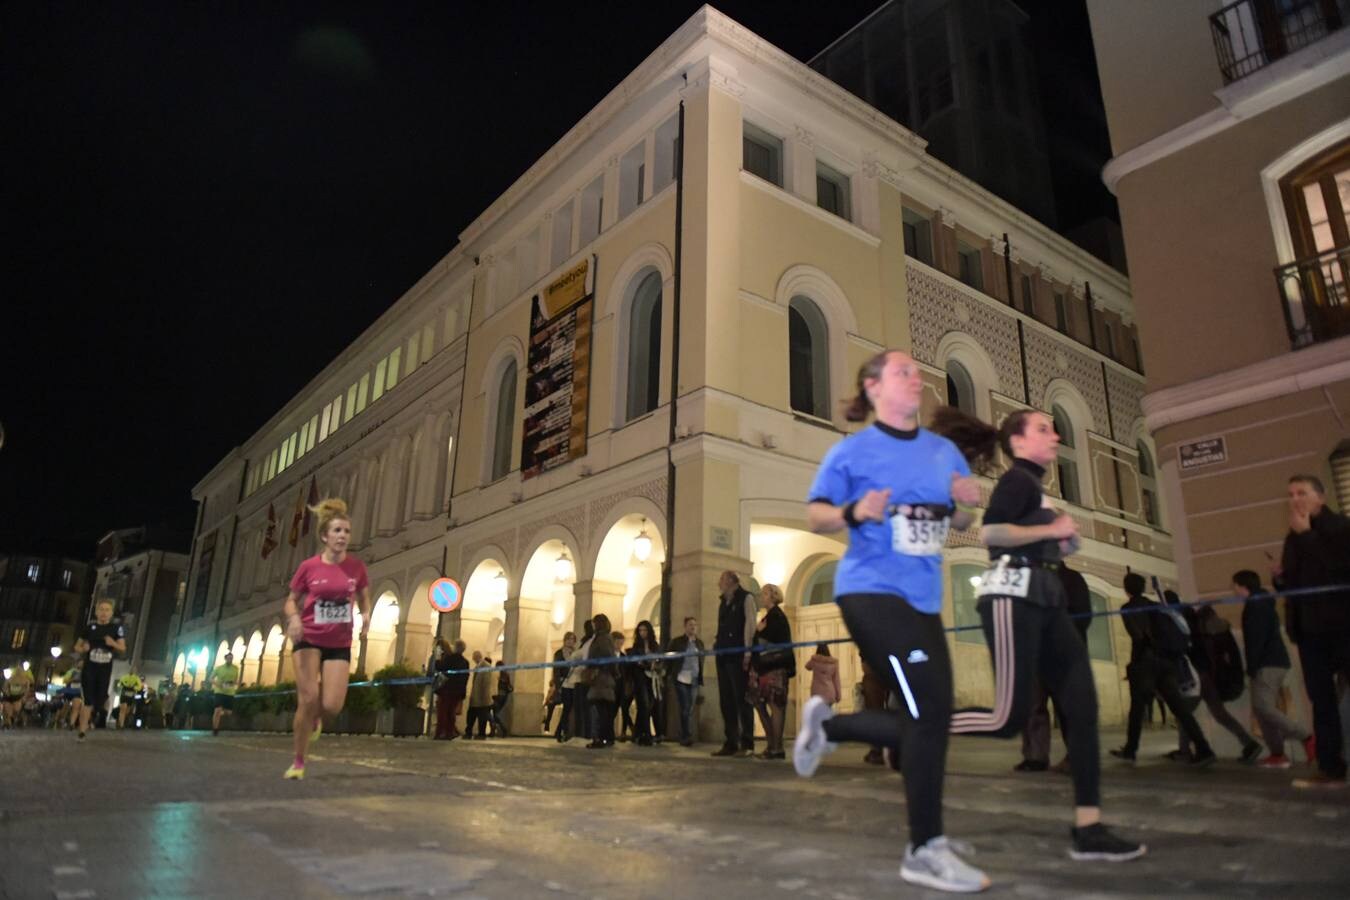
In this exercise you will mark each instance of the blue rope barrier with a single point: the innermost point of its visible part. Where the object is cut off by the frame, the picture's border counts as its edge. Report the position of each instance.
(667, 656)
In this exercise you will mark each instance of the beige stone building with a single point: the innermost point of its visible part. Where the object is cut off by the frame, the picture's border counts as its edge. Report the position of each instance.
(1230, 125)
(804, 232)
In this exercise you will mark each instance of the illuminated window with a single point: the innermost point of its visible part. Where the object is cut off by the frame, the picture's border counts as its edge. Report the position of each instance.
(380, 368)
(313, 430)
(391, 375)
(34, 572)
(363, 392)
(351, 403)
(592, 210)
(413, 346)
(560, 242)
(820, 589)
(19, 639)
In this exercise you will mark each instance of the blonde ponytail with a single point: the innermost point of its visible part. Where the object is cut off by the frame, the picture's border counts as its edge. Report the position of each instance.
(329, 509)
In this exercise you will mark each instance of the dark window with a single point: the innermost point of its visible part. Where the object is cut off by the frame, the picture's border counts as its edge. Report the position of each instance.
(505, 422)
(918, 236)
(960, 388)
(970, 267)
(762, 154)
(1028, 296)
(808, 359)
(1061, 314)
(832, 190)
(644, 348)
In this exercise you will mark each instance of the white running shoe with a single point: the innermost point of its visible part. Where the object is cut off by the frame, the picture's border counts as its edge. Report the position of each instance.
(811, 744)
(935, 865)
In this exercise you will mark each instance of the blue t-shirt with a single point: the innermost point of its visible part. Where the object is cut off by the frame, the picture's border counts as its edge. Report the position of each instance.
(917, 469)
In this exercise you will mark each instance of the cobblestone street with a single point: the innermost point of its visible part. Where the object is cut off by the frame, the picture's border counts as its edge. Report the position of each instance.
(183, 814)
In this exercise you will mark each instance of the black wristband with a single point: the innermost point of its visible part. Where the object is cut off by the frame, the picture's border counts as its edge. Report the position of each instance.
(848, 515)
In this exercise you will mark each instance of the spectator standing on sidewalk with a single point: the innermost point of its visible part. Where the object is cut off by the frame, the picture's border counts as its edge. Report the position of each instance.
(1317, 554)
(1268, 666)
(1217, 659)
(648, 688)
(578, 681)
(768, 682)
(452, 685)
(558, 695)
(505, 688)
(601, 679)
(735, 628)
(686, 671)
(623, 689)
(480, 697)
(824, 670)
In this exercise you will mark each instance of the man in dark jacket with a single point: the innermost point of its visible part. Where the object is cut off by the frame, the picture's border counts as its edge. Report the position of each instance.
(1317, 554)
(451, 688)
(1267, 666)
(736, 621)
(686, 670)
(1153, 670)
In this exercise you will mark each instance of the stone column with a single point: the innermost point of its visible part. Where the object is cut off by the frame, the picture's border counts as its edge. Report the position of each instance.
(593, 597)
(416, 640)
(268, 667)
(527, 623)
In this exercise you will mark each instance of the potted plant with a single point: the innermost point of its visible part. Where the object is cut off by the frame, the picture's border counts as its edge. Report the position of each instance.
(247, 706)
(359, 712)
(278, 706)
(401, 714)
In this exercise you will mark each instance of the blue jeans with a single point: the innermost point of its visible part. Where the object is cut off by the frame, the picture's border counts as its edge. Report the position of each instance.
(687, 694)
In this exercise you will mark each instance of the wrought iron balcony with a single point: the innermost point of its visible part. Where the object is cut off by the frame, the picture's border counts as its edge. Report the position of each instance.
(1314, 290)
(1251, 34)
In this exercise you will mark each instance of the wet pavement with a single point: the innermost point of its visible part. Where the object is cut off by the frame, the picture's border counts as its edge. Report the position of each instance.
(185, 814)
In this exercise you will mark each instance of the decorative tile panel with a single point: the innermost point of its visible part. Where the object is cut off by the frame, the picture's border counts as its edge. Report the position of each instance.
(507, 540)
(1126, 392)
(1048, 359)
(936, 308)
(654, 490)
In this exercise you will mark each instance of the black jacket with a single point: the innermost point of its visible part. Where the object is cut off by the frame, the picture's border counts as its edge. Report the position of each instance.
(1262, 644)
(1320, 556)
(457, 684)
(1137, 625)
(775, 630)
(679, 645)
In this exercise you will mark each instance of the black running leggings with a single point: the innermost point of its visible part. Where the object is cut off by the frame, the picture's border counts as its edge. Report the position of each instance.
(909, 650)
(1026, 641)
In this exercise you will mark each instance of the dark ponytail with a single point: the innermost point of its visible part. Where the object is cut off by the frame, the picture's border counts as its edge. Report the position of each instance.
(857, 407)
(976, 440)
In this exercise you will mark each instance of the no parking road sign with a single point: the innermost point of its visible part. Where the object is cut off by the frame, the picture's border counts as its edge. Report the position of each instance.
(444, 595)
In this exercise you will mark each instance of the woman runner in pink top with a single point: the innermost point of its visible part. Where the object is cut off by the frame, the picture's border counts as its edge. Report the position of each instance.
(318, 612)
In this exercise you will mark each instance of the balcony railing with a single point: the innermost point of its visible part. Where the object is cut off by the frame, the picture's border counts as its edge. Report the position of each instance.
(1251, 34)
(1314, 290)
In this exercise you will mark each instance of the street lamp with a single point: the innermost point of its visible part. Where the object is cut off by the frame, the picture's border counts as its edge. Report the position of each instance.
(642, 544)
(8, 672)
(562, 568)
(56, 651)
(27, 665)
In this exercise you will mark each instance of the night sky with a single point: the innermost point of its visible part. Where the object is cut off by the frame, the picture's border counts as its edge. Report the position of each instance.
(203, 204)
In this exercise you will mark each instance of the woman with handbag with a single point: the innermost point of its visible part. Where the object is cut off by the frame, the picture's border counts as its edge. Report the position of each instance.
(767, 688)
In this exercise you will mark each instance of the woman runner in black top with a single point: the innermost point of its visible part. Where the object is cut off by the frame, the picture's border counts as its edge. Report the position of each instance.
(1023, 609)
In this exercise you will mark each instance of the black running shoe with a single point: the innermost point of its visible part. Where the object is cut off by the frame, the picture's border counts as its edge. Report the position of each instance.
(1096, 842)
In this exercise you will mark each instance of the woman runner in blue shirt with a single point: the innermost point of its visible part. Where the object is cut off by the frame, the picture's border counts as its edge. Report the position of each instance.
(892, 486)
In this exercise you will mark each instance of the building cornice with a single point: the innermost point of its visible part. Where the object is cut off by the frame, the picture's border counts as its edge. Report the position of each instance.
(1278, 376)
(1280, 82)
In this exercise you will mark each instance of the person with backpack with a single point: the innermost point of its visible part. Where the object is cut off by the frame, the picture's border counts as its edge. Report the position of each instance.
(1158, 644)
(1268, 666)
(1218, 663)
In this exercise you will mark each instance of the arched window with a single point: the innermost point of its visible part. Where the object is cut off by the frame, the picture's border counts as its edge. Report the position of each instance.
(820, 589)
(960, 388)
(1099, 636)
(1148, 484)
(505, 421)
(808, 359)
(1069, 487)
(644, 348)
(965, 582)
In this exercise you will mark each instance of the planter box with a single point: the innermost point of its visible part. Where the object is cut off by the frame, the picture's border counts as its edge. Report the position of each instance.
(201, 722)
(402, 722)
(355, 723)
(273, 722)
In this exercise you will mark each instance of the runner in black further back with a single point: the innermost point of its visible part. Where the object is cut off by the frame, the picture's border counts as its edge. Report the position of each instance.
(98, 641)
(1023, 610)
